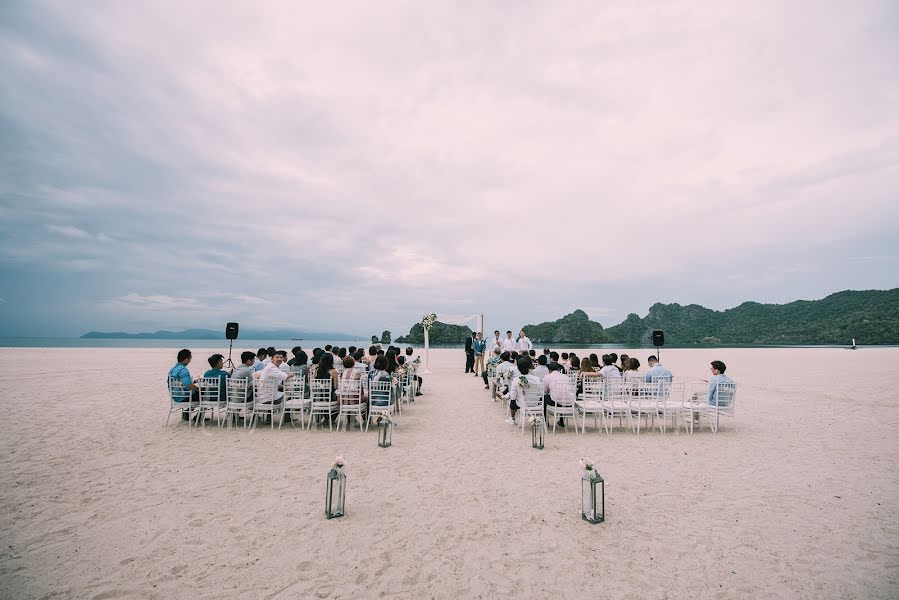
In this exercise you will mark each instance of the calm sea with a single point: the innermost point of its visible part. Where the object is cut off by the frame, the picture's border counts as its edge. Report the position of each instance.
(241, 345)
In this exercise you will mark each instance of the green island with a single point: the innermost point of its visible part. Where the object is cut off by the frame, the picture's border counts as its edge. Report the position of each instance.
(869, 316)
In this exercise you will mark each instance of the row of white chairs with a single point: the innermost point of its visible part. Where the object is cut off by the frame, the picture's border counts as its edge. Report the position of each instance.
(632, 401)
(301, 398)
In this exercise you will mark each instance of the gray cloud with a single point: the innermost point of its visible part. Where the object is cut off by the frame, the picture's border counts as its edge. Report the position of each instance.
(350, 168)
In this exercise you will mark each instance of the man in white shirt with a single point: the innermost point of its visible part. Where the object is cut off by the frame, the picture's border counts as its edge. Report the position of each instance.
(273, 372)
(516, 392)
(495, 344)
(609, 370)
(523, 345)
(557, 390)
(541, 369)
(656, 369)
(508, 343)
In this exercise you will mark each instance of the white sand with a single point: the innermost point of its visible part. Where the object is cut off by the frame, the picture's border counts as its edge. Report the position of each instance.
(99, 501)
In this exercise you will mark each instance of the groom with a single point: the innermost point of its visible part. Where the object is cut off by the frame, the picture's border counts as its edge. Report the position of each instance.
(469, 353)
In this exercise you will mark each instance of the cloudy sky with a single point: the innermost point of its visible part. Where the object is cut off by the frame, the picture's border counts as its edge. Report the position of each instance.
(349, 166)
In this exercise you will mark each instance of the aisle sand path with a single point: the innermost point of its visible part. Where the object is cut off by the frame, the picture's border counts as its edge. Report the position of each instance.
(100, 501)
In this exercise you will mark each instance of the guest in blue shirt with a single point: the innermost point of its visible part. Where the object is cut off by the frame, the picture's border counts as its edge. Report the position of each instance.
(718, 377)
(216, 361)
(180, 372)
(656, 369)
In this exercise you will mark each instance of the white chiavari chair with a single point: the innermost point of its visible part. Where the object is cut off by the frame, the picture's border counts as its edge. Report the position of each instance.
(349, 395)
(180, 400)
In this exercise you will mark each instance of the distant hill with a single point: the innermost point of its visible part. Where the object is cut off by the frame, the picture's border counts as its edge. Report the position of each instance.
(209, 334)
(871, 317)
(574, 328)
(440, 333)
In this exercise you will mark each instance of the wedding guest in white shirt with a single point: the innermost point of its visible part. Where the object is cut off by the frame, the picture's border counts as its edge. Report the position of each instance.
(541, 369)
(495, 344)
(557, 390)
(523, 345)
(609, 370)
(273, 372)
(633, 369)
(516, 393)
(508, 343)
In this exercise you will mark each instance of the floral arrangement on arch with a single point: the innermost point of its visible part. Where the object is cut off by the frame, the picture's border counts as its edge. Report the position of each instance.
(428, 320)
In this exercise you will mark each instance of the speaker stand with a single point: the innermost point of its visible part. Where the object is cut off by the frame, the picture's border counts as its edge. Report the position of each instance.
(229, 362)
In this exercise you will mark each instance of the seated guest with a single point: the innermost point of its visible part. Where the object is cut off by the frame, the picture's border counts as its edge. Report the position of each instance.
(541, 370)
(379, 373)
(273, 372)
(420, 381)
(575, 362)
(609, 370)
(325, 370)
(587, 371)
(261, 355)
(391, 361)
(493, 361)
(633, 369)
(625, 365)
(656, 369)
(180, 372)
(351, 374)
(328, 347)
(554, 358)
(546, 353)
(565, 362)
(351, 350)
(556, 390)
(298, 364)
(504, 367)
(372, 354)
(533, 354)
(245, 371)
(217, 361)
(718, 377)
(594, 360)
(516, 393)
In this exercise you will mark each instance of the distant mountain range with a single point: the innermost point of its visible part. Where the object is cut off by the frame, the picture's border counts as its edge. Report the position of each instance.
(871, 317)
(210, 334)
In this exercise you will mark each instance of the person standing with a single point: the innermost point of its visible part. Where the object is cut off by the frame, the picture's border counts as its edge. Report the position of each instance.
(523, 345)
(508, 343)
(469, 353)
(479, 345)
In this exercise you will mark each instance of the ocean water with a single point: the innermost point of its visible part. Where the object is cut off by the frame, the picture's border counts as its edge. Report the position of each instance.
(241, 345)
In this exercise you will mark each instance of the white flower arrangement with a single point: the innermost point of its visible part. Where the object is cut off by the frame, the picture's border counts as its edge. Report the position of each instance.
(428, 320)
(384, 418)
(338, 463)
(507, 375)
(523, 382)
(533, 420)
(587, 465)
(395, 381)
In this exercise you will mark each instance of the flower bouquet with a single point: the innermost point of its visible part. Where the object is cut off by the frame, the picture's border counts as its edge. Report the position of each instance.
(338, 463)
(428, 320)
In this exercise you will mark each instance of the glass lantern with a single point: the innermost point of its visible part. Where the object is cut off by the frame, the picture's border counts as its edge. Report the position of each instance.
(537, 431)
(335, 494)
(385, 431)
(593, 492)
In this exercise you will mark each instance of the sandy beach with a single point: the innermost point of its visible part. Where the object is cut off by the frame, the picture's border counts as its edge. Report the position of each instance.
(100, 501)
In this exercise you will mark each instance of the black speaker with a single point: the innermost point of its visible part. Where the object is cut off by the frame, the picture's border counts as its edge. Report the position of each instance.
(658, 338)
(231, 331)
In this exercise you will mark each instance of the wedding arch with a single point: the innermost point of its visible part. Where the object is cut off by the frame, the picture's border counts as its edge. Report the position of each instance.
(429, 319)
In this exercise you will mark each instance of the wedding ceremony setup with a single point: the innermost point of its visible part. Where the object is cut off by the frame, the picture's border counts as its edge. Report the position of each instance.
(449, 301)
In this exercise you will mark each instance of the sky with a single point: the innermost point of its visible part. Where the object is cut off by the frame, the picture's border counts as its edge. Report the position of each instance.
(350, 166)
